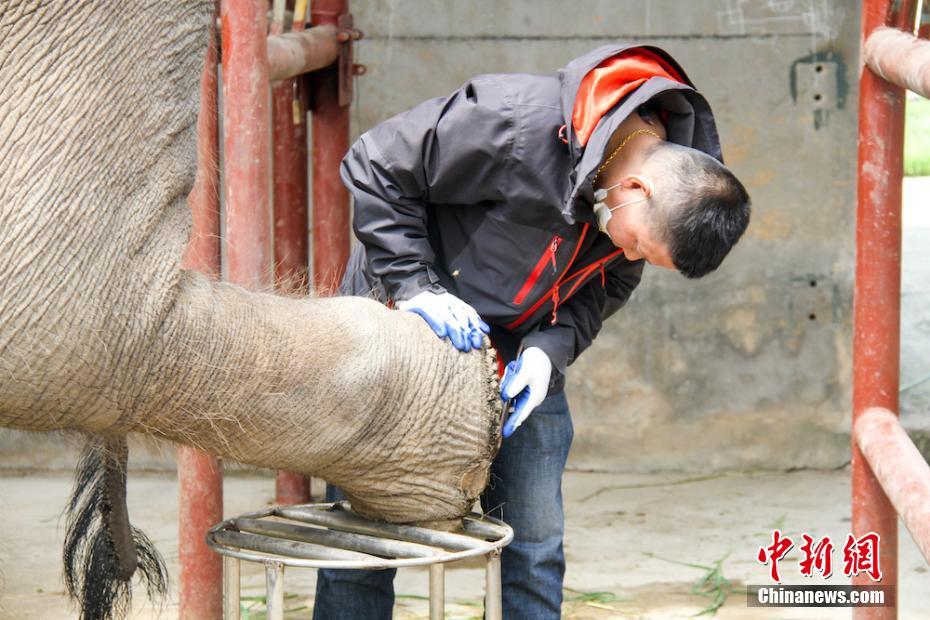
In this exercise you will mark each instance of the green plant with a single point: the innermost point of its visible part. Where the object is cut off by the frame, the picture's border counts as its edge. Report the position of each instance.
(917, 137)
(712, 584)
(598, 600)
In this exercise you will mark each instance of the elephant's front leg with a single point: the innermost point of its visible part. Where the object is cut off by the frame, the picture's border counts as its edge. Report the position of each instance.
(340, 388)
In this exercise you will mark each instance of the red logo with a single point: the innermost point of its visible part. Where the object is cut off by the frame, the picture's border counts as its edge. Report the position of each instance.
(817, 557)
(775, 552)
(860, 555)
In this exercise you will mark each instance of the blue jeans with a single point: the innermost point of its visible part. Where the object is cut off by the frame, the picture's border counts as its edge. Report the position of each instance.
(526, 492)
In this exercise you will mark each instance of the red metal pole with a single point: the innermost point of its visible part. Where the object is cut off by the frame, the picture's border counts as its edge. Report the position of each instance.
(200, 476)
(878, 291)
(901, 469)
(246, 120)
(330, 143)
(291, 254)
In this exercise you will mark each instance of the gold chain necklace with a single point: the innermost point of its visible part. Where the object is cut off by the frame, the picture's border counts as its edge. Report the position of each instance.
(619, 148)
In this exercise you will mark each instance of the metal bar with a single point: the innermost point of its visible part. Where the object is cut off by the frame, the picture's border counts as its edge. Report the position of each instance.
(330, 219)
(291, 247)
(900, 58)
(246, 116)
(287, 548)
(900, 468)
(273, 514)
(373, 563)
(437, 592)
(200, 475)
(348, 522)
(200, 489)
(493, 603)
(339, 540)
(230, 588)
(203, 250)
(877, 293)
(293, 53)
(274, 590)
(291, 251)
(483, 529)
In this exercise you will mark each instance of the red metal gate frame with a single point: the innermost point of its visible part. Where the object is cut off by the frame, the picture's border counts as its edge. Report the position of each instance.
(250, 59)
(291, 252)
(888, 475)
(200, 475)
(331, 98)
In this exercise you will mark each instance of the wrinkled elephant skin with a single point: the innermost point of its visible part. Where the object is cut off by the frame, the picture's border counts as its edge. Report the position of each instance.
(104, 333)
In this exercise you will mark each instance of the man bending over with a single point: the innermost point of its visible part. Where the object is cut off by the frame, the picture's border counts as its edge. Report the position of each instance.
(524, 207)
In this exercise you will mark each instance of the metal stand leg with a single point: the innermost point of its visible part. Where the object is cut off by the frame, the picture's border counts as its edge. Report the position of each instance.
(493, 606)
(274, 590)
(437, 591)
(230, 588)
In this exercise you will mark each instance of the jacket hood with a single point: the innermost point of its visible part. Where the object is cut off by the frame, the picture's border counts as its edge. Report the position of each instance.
(690, 121)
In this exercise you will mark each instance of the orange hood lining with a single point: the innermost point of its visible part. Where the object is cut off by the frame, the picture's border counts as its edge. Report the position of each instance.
(612, 80)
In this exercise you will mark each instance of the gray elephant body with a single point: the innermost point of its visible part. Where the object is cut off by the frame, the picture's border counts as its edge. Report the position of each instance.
(103, 332)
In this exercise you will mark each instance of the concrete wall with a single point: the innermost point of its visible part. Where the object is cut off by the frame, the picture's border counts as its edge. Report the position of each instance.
(749, 367)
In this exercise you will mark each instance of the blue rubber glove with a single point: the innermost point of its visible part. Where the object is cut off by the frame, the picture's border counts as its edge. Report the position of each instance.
(449, 317)
(526, 383)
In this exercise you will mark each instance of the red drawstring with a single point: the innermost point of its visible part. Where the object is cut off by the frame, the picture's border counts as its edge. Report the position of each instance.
(562, 134)
(555, 304)
(603, 277)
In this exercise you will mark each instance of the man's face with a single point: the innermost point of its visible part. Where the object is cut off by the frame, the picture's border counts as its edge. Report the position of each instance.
(633, 229)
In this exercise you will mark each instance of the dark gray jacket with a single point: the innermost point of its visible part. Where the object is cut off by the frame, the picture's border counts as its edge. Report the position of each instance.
(478, 194)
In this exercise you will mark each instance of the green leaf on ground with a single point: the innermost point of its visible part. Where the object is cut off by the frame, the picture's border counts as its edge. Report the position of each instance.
(578, 596)
(712, 584)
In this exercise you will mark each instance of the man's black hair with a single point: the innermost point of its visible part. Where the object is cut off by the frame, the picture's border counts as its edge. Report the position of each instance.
(705, 206)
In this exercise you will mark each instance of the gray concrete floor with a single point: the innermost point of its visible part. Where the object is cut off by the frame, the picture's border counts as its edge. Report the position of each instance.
(628, 537)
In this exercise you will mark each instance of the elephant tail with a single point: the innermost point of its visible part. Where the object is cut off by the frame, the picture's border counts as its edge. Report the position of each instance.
(102, 550)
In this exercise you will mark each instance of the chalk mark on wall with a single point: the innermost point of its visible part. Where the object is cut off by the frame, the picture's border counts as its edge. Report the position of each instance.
(820, 18)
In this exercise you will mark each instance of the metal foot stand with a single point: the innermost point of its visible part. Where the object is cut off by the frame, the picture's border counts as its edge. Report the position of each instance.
(332, 536)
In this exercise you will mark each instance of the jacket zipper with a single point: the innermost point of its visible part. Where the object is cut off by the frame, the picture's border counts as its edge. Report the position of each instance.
(547, 257)
(581, 276)
(553, 248)
(589, 270)
(554, 291)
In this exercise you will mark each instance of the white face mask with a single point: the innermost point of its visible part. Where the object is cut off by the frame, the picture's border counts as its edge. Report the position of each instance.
(603, 213)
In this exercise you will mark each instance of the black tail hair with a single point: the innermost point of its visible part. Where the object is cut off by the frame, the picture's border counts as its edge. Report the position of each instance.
(102, 550)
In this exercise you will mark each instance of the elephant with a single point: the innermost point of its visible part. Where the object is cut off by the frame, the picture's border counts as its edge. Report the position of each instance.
(104, 333)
